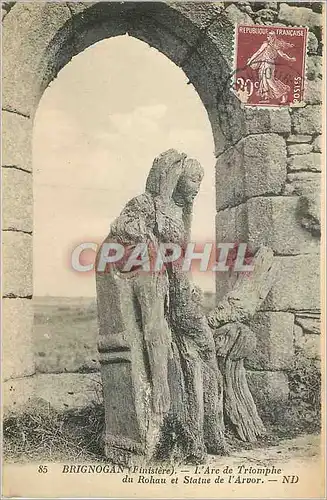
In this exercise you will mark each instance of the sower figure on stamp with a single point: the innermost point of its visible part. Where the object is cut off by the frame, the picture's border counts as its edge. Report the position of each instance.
(263, 60)
(177, 342)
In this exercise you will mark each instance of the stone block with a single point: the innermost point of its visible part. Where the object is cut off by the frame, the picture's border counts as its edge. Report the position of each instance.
(298, 285)
(299, 149)
(307, 120)
(231, 225)
(296, 139)
(265, 16)
(261, 120)
(317, 144)
(309, 213)
(313, 92)
(16, 141)
(274, 336)
(236, 16)
(17, 264)
(299, 16)
(312, 44)
(310, 325)
(17, 347)
(311, 346)
(17, 200)
(61, 392)
(310, 161)
(256, 165)
(37, 43)
(300, 183)
(314, 68)
(272, 221)
(268, 388)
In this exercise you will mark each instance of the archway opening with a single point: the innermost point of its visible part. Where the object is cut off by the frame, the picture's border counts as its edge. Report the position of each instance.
(98, 126)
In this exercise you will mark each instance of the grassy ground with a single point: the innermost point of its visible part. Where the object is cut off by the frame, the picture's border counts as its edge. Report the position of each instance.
(77, 436)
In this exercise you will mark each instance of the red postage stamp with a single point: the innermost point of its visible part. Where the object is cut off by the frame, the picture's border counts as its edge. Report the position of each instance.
(270, 65)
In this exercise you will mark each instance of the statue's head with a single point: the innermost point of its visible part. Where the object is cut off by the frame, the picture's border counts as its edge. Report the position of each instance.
(188, 184)
(173, 175)
(165, 172)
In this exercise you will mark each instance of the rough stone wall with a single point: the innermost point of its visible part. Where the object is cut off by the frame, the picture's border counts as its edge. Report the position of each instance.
(268, 161)
(273, 198)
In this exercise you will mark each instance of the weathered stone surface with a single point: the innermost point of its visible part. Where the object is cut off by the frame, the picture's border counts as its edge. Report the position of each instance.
(37, 43)
(248, 293)
(260, 120)
(255, 166)
(231, 225)
(233, 342)
(65, 391)
(272, 221)
(274, 334)
(95, 21)
(269, 388)
(311, 345)
(302, 183)
(312, 92)
(297, 139)
(221, 33)
(266, 16)
(312, 43)
(224, 111)
(310, 161)
(299, 149)
(16, 141)
(299, 285)
(317, 144)
(208, 68)
(309, 213)
(236, 16)
(17, 264)
(17, 342)
(314, 67)
(299, 16)
(17, 204)
(163, 40)
(307, 120)
(187, 20)
(309, 325)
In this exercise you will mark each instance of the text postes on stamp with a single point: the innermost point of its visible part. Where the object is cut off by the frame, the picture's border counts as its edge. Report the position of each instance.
(270, 65)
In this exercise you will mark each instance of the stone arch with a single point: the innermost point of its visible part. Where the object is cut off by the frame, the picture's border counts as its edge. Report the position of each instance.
(259, 206)
(38, 40)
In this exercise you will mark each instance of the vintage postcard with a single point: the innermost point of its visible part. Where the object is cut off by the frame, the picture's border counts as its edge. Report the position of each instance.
(163, 186)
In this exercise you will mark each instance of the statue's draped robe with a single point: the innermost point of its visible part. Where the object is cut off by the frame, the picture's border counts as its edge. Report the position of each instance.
(186, 384)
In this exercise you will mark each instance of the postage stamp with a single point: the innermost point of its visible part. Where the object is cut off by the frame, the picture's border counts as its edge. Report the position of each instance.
(270, 65)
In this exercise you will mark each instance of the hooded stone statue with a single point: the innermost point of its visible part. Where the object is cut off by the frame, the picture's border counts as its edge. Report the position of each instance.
(159, 372)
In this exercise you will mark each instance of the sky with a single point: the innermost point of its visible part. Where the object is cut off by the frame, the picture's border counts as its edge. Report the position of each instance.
(98, 127)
